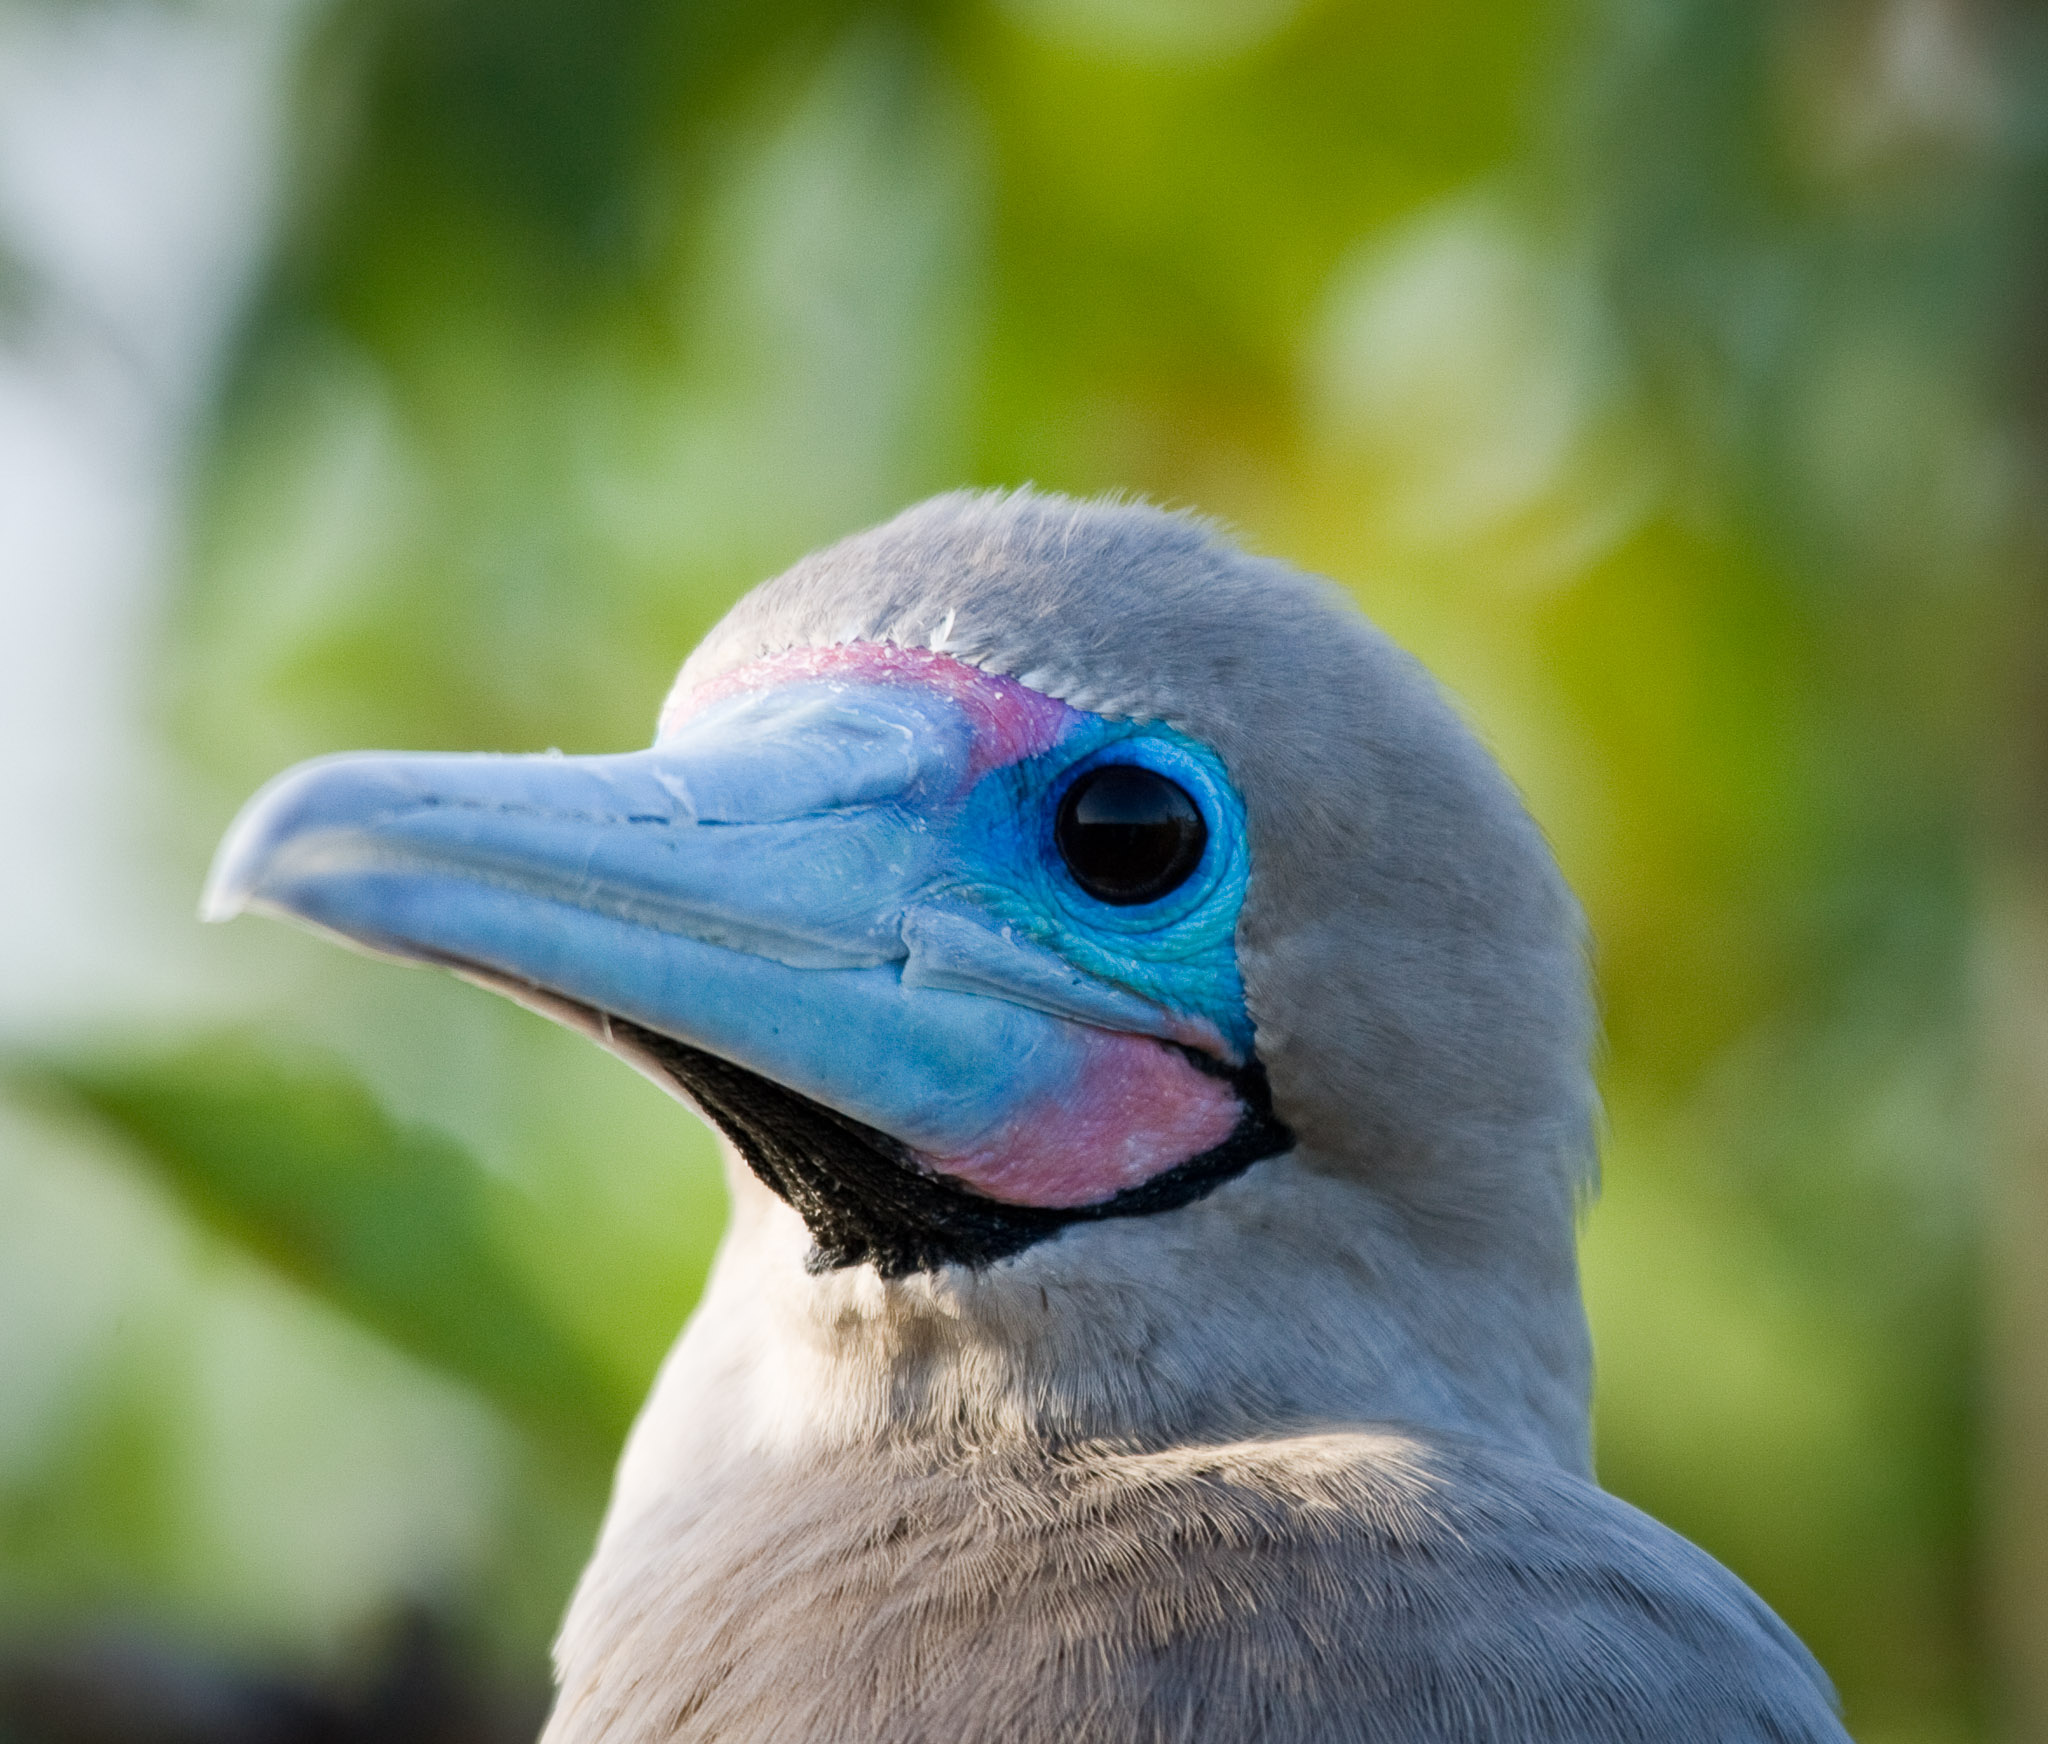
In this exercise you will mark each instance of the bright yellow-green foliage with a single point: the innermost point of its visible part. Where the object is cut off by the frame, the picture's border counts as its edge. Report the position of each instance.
(1655, 369)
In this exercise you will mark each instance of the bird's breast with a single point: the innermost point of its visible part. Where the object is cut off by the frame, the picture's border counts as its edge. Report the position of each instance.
(1356, 1584)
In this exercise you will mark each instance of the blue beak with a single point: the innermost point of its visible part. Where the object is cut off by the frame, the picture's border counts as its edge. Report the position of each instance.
(771, 884)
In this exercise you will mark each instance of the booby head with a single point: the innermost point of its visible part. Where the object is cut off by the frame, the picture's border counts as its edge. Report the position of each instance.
(1014, 886)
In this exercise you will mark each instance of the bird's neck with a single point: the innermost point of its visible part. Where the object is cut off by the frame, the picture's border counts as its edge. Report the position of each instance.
(1281, 1303)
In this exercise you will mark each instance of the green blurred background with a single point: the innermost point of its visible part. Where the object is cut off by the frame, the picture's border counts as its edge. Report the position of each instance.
(1668, 374)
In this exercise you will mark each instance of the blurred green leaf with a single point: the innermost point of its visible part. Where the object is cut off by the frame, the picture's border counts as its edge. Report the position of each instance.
(394, 1225)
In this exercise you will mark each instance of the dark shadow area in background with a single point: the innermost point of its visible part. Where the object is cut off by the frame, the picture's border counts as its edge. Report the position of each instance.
(136, 1687)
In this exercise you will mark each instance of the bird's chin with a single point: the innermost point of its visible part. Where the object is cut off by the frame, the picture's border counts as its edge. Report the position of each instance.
(868, 1198)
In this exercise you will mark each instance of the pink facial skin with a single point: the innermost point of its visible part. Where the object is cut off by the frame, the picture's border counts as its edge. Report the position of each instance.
(1137, 1110)
(1009, 722)
(1137, 1107)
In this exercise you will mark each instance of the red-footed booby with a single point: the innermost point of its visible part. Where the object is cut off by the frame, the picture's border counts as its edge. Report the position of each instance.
(1150, 1040)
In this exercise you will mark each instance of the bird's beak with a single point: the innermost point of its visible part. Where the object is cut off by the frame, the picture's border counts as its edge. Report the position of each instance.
(767, 884)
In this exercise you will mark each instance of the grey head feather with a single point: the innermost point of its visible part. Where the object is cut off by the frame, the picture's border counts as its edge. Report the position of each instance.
(1414, 962)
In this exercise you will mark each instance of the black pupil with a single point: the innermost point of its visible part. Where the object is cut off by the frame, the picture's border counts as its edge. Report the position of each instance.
(1128, 834)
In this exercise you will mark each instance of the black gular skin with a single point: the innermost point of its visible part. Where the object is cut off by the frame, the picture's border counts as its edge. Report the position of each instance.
(866, 1200)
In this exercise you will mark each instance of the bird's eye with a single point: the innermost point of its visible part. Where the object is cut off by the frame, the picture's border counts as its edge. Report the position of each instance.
(1128, 834)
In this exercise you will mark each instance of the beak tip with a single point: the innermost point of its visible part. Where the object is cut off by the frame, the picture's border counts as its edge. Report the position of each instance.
(222, 899)
(248, 852)
(235, 875)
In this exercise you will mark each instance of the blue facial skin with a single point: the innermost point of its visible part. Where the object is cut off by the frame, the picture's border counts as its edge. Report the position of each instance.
(1178, 952)
(794, 880)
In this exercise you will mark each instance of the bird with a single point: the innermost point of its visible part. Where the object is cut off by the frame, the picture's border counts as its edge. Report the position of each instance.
(1150, 1040)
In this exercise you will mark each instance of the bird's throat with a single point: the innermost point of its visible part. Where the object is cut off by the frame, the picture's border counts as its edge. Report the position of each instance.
(867, 1200)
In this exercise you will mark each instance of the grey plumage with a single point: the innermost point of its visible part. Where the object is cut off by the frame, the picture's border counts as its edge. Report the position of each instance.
(1306, 1459)
(1364, 1585)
